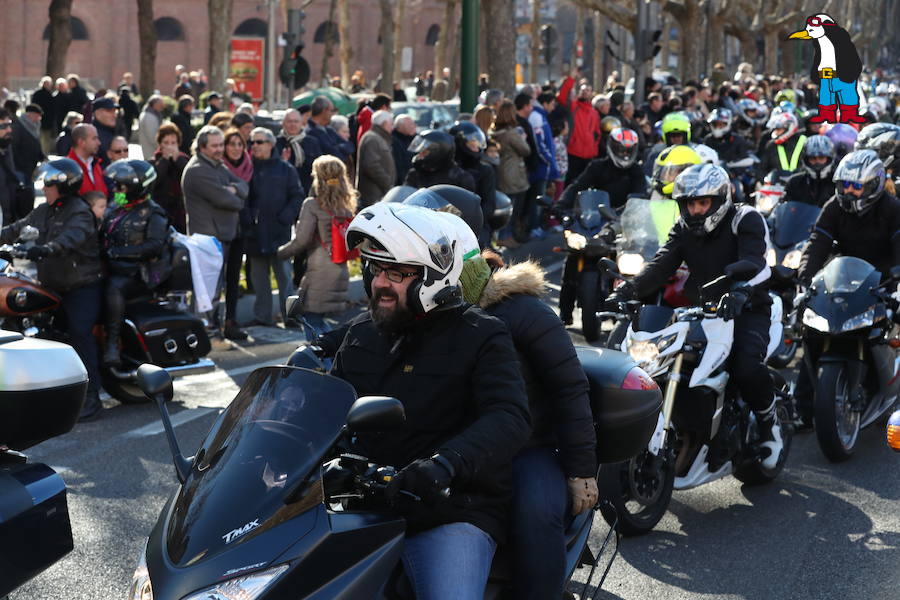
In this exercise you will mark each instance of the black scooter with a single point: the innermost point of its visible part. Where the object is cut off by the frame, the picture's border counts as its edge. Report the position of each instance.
(36, 404)
(272, 506)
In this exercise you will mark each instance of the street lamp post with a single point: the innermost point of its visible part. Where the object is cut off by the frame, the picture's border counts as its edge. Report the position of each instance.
(469, 57)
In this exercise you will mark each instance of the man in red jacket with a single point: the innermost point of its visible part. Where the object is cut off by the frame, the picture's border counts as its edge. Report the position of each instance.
(584, 141)
(85, 144)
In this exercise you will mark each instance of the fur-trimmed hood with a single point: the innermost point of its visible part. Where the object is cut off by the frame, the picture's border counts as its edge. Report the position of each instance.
(522, 278)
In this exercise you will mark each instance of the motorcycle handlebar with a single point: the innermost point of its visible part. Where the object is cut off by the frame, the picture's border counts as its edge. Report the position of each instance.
(13, 250)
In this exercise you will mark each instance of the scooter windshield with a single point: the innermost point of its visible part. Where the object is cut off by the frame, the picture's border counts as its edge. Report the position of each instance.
(270, 438)
(846, 274)
(794, 222)
(644, 226)
(589, 202)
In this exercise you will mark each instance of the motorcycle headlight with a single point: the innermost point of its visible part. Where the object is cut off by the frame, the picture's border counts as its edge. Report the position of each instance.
(765, 202)
(814, 320)
(140, 582)
(861, 320)
(792, 259)
(576, 241)
(248, 587)
(770, 257)
(643, 351)
(630, 263)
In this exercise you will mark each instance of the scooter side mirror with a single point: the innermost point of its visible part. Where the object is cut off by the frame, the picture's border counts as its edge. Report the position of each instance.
(607, 212)
(155, 381)
(742, 270)
(293, 306)
(610, 267)
(376, 413)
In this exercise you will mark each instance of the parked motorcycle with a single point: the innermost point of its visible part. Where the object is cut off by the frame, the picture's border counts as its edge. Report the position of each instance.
(705, 431)
(36, 404)
(273, 506)
(159, 327)
(588, 239)
(851, 345)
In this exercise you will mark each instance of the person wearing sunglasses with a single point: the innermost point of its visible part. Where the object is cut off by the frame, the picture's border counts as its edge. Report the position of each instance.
(861, 220)
(118, 149)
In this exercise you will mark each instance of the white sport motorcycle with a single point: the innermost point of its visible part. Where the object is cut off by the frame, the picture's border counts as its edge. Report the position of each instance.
(705, 431)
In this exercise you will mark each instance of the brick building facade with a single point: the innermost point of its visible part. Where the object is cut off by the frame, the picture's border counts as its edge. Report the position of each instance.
(111, 46)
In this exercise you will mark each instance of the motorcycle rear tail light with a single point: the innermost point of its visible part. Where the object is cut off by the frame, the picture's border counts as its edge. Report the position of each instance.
(637, 379)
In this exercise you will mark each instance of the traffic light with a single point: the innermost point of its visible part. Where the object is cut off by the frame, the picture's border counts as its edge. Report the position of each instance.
(296, 17)
(294, 70)
(654, 38)
(548, 43)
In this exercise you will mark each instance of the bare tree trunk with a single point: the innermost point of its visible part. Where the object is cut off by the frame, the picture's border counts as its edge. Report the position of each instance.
(535, 40)
(147, 35)
(716, 40)
(329, 41)
(398, 38)
(579, 36)
(219, 41)
(60, 13)
(770, 64)
(666, 43)
(440, 48)
(600, 25)
(687, 14)
(387, 43)
(346, 51)
(501, 44)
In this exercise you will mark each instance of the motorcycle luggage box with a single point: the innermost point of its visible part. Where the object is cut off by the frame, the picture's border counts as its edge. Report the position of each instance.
(37, 402)
(624, 418)
(170, 338)
(34, 521)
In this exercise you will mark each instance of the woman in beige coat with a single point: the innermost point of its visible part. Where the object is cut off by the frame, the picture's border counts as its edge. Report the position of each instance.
(512, 177)
(323, 289)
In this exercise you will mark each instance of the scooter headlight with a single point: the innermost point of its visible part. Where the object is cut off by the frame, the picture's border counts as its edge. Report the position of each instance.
(248, 587)
(859, 321)
(814, 320)
(792, 259)
(771, 260)
(643, 352)
(630, 263)
(140, 582)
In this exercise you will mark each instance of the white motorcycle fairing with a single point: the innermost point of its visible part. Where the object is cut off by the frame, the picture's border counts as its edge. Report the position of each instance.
(776, 327)
(719, 337)
(699, 472)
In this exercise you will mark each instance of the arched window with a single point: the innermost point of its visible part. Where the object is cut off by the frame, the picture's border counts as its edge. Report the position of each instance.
(431, 37)
(253, 28)
(327, 28)
(168, 29)
(79, 31)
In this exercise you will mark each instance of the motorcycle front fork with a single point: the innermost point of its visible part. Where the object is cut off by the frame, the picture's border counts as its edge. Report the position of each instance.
(658, 441)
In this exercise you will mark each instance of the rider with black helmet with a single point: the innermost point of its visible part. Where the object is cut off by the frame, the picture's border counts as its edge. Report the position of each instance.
(812, 184)
(433, 162)
(133, 238)
(861, 220)
(470, 144)
(68, 261)
(617, 173)
(711, 234)
(730, 145)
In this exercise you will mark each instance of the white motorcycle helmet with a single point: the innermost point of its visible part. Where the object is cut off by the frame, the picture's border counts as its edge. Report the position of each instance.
(414, 236)
(699, 181)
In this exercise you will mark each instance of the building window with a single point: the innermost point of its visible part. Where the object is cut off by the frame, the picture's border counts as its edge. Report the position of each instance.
(79, 31)
(253, 28)
(431, 37)
(328, 28)
(168, 29)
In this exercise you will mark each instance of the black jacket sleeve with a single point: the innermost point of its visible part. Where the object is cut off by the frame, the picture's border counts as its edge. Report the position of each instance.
(502, 425)
(79, 226)
(818, 249)
(638, 180)
(663, 265)
(588, 179)
(545, 345)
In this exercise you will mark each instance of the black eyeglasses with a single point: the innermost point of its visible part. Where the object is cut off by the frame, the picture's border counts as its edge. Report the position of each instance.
(122, 151)
(255, 142)
(392, 275)
(5, 126)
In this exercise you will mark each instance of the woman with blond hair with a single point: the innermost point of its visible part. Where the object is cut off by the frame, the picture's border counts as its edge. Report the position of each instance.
(323, 289)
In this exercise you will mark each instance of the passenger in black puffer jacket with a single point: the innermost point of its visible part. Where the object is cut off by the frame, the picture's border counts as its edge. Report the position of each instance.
(562, 449)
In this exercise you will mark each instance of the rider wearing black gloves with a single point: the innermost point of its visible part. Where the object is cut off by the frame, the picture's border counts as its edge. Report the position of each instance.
(455, 370)
(729, 145)
(134, 233)
(68, 262)
(711, 234)
(813, 184)
(862, 220)
(617, 173)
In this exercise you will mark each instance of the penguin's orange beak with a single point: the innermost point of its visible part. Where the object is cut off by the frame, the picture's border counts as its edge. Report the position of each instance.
(800, 35)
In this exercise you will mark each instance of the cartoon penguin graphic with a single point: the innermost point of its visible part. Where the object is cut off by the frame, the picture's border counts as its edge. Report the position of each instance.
(836, 67)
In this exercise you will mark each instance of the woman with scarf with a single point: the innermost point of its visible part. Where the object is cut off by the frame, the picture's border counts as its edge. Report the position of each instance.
(169, 162)
(238, 161)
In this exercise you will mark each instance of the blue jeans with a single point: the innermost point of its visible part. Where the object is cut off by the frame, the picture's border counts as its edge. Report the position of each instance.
(449, 562)
(82, 307)
(832, 89)
(540, 502)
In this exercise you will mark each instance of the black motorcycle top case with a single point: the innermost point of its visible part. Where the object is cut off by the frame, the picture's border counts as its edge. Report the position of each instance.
(172, 338)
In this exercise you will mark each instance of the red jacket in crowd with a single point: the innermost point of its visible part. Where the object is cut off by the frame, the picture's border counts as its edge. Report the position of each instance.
(584, 141)
(87, 185)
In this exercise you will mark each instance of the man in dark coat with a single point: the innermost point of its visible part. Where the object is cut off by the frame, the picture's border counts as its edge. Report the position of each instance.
(182, 118)
(402, 136)
(273, 206)
(320, 129)
(105, 112)
(43, 97)
(27, 153)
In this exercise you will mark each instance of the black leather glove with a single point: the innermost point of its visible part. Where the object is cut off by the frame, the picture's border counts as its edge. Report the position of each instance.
(427, 478)
(37, 252)
(732, 303)
(615, 302)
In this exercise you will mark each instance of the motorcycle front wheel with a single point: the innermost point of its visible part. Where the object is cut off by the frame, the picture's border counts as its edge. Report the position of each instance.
(837, 424)
(637, 491)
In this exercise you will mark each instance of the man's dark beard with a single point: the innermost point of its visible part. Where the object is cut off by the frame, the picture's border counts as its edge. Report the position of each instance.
(394, 320)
